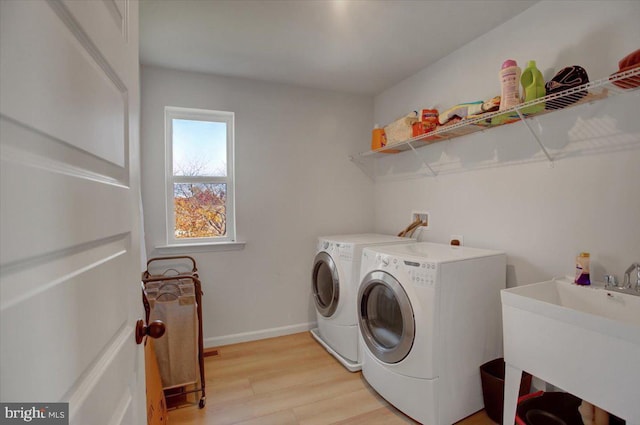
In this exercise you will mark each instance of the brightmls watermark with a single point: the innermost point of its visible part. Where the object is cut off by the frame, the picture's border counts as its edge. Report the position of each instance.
(36, 413)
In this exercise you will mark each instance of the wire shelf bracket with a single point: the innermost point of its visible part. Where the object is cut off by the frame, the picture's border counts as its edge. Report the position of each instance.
(535, 136)
(422, 160)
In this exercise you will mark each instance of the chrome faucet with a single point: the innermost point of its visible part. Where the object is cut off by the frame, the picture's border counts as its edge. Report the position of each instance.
(627, 277)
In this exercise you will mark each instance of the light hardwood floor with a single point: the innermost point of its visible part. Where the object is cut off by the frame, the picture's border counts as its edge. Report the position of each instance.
(285, 381)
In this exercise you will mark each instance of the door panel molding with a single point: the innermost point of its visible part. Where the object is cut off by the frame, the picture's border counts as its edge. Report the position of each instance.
(123, 413)
(26, 279)
(119, 17)
(77, 30)
(76, 107)
(30, 146)
(58, 219)
(90, 396)
(78, 315)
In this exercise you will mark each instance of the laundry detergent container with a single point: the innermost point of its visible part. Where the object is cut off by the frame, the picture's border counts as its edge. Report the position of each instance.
(492, 377)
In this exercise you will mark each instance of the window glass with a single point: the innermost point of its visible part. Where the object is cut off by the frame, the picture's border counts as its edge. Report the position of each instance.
(199, 148)
(200, 210)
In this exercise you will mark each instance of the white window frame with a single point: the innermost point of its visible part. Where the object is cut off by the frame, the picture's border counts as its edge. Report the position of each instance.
(171, 113)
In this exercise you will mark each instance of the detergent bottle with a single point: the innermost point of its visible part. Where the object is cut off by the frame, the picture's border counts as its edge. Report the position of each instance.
(532, 87)
(378, 139)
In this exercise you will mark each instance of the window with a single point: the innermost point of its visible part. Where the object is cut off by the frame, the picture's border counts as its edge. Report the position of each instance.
(199, 176)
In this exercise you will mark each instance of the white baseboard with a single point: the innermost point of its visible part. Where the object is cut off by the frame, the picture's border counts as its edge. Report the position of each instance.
(218, 341)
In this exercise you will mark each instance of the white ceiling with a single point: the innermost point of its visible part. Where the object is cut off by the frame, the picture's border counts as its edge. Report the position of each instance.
(355, 46)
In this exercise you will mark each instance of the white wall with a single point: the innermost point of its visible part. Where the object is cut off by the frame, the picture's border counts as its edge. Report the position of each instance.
(495, 188)
(294, 182)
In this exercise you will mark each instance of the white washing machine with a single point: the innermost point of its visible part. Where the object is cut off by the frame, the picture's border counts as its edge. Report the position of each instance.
(335, 278)
(429, 316)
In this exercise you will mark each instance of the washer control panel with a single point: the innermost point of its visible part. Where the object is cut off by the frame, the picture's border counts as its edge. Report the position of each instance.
(384, 260)
(422, 273)
(345, 251)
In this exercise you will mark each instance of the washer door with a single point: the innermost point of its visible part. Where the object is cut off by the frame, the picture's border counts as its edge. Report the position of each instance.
(385, 317)
(325, 284)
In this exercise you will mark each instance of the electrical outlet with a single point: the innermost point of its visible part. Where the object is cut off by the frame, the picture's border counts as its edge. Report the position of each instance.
(422, 216)
(456, 240)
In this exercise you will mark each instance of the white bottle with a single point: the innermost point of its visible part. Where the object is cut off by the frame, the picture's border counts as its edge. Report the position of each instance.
(510, 84)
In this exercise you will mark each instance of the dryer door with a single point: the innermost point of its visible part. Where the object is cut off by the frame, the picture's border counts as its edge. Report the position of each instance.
(385, 317)
(325, 284)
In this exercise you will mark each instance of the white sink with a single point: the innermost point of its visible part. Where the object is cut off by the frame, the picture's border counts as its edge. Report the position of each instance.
(585, 340)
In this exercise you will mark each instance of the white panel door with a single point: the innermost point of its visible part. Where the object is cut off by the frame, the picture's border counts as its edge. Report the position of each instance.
(69, 211)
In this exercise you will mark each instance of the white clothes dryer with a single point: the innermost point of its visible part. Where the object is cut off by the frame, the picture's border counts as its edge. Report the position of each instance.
(334, 282)
(429, 317)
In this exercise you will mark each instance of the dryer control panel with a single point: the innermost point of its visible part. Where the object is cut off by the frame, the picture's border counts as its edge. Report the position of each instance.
(421, 273)
(337, 249)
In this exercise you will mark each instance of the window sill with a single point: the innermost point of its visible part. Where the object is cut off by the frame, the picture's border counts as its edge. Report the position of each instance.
(200, 247)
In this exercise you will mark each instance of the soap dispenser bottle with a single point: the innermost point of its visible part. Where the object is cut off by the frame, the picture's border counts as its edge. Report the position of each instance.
(582, 269)
(532, 87)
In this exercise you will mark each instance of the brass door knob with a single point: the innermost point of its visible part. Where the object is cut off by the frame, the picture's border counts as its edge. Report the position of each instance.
(154, 330)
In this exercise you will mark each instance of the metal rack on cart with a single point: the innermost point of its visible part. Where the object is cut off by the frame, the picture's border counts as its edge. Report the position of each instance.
(172, 292)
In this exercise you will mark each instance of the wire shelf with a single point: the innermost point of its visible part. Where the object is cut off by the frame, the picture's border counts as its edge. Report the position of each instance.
(623, 82)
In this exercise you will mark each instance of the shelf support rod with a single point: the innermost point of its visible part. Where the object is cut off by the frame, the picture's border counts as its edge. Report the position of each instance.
(535, 136)
(415, 152)
(363, 167)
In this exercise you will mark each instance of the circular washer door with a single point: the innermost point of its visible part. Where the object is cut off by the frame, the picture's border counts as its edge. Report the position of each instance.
(325, 284)
(385, 317)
